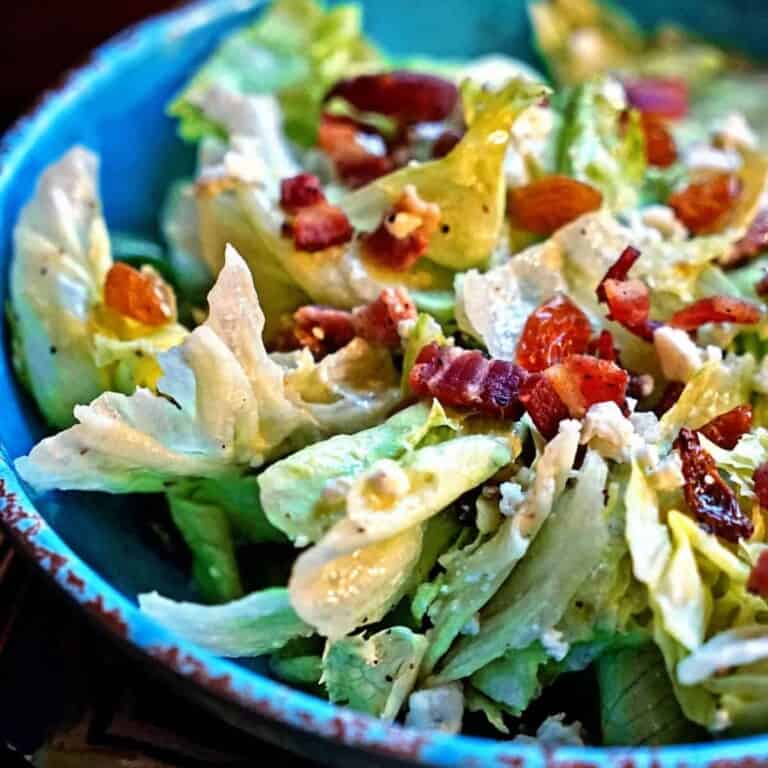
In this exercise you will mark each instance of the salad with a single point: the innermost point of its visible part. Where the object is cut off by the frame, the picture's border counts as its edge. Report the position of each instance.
(480, 352)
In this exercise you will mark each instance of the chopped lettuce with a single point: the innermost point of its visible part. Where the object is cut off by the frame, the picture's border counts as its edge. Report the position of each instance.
(297, 50)
(251, 626)
(299, 662)
(467, 184)
(593, 148)
(373, 675)
(334, 585)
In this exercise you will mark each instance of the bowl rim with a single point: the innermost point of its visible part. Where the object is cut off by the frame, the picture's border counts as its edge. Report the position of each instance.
(222, 678)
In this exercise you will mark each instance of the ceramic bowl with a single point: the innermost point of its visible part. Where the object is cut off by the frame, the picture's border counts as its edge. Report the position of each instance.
(91, 544)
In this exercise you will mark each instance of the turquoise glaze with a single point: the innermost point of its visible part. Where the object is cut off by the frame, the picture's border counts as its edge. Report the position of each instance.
(90, 543)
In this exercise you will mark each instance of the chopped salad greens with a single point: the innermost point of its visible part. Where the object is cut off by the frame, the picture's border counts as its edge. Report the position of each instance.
(480, 355)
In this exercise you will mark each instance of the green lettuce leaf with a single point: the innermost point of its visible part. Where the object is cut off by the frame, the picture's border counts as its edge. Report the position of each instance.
(373, 675)
(251, 626)
(299, 662)
(298, 50)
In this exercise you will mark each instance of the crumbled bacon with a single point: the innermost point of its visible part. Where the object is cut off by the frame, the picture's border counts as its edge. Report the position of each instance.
(703, 206)
(347, 144)
(602, 346)
(403, 236)
(619, 270)
(760, 479)
(543, 404)
(582, 380)
(545, 205)
(464, 378)
(322, 329)
(757, 583)
(715, 309)
(662, 96)
(669, 397)
(409, 97)
(445, 142)
(319, 227)
(761, 286)
(726, 429)
(660, 148)
(377, 322)
(299, 192)
(141, 295)
(753, 243)
(711, 500)
(556, 329)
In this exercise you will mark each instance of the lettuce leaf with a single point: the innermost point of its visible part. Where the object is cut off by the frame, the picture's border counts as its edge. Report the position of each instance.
(251, 626)
(297, 50)
(223, 408)
(373, 675)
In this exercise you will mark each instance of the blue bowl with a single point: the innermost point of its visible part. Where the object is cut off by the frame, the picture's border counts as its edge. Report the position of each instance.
(92, 545)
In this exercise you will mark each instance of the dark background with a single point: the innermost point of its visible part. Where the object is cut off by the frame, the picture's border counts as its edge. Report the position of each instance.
(44, 39)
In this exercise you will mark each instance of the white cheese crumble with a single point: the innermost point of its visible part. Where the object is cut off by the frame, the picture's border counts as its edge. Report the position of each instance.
(678, 354)
(662, 218)
(436, 709)
(555, 646)
(705, 157)
(609, 432)
(734, 132)
(512, 497)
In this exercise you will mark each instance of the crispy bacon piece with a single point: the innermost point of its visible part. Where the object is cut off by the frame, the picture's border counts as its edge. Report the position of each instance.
(708, 496)
(715, 309)
(445, 142)
(754, 242)
(377, 322)
(582, 380)
(669, 397)
(543, 404)
(322, 329)
(665, 97)
(348, 144)
(703, 206)
(464, 378)
(556, 329)
(660, 147)
(299, 192)
(545, 205)
(757, 583)
(619, 270)
(319, 227)
(760, 479)
(726, 429)
(403, 236)
(602, 347)
(409, 97)
(141, 295)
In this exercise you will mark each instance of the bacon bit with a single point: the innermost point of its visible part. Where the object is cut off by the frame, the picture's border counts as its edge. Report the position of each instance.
(581, 381)
(341, 138)
(299, 192)
(319, 227)
(726, 429)
(409, 97)
(546, 205)
(665, 97)
(715, 309)
(445, 142)
(629, 303)
(660, 148)
(141, 295)
(619, 270)
(708, 496)
(377, 322)
(761, 286)
(403, 236)
(543, 404)
(703, 206)
(757, 583)
(602, 347)
(465, 379)
(669, 397)
(760, 479)
(556, 329)
(322, 329)
(754, 242)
